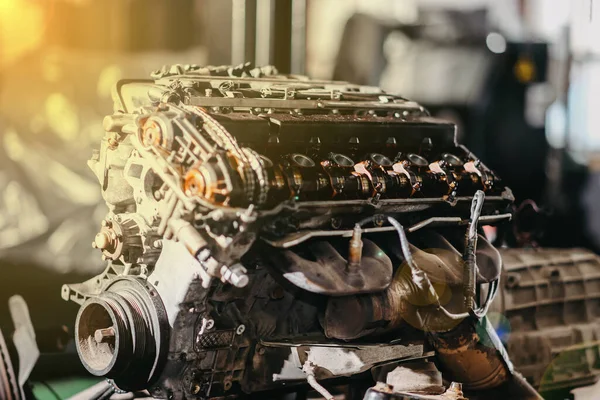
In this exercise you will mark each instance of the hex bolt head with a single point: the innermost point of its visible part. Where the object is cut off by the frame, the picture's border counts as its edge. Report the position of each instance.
(102, 335)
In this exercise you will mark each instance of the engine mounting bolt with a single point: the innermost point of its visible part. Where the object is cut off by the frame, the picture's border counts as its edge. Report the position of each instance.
(101, 335)
(240, 329)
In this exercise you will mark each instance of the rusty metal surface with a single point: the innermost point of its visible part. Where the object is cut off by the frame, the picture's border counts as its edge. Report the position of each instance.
(383, 391)
(342, 361)
(473, 355)
(331, 273)
(403, 304)
(467, 354)
(421, 377)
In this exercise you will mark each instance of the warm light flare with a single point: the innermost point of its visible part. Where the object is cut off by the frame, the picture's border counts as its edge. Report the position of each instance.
(8, 4)
(21, 28)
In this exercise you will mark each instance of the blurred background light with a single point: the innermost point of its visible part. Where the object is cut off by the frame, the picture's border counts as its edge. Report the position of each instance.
(496, 43)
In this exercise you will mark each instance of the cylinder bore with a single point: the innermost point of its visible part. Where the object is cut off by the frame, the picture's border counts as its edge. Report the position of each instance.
(120, 333)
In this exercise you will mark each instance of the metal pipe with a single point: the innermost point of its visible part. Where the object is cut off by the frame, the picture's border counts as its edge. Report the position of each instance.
(309, 370)
(473, 354)
(419, 277)
(470, 271)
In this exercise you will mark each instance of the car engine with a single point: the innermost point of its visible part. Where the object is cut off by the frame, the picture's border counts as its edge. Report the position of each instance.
(270, 232)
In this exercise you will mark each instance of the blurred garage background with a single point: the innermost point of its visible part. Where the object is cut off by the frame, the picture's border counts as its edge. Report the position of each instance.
(521, 78)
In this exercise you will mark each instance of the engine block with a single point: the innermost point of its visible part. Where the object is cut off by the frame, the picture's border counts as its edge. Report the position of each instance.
(267, 231)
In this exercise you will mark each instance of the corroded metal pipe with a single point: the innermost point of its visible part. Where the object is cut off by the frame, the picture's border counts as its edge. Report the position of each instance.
(403, 303)
(473, 354)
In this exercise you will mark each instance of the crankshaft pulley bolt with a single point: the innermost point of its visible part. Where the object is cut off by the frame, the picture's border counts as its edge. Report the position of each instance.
(102, 335)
